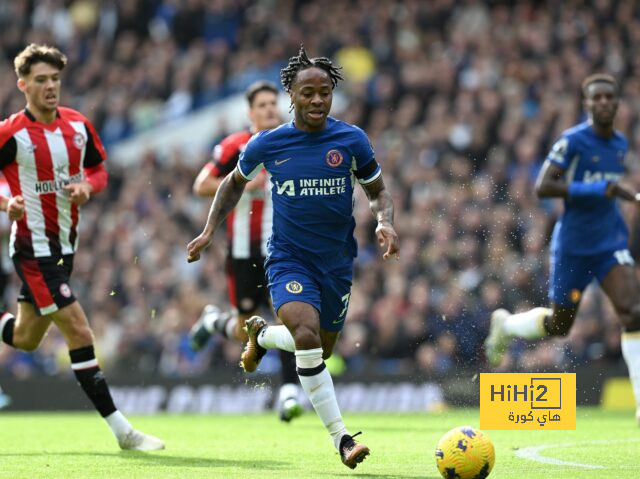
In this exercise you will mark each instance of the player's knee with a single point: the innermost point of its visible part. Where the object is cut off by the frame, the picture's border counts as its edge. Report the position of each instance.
(327, 351)
(28, 345)
(306, 338)
(631, 320)
(80, 337)
(25, 342)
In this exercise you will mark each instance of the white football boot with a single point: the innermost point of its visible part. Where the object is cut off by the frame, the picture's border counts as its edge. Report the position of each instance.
(135, 440)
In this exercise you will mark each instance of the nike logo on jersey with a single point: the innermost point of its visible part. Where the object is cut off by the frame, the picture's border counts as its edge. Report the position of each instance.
(338, 321)
(279, 162)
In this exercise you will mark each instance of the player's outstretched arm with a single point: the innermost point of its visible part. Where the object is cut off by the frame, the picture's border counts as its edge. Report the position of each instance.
(552, 184)
(382, 207)
(226, 198)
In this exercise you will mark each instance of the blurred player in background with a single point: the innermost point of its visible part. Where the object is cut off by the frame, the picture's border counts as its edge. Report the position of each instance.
(314, 162)
(591, 239)
(5, 266)
(248, 228)
(53, 160)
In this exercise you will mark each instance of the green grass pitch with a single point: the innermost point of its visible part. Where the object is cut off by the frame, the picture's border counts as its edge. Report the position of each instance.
(51, 446)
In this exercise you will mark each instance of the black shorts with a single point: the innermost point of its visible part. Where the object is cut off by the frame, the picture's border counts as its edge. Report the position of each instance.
(45, 282)
(247, 284)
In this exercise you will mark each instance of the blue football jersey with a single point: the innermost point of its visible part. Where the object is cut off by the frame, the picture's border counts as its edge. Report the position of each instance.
(312, 182)
(589, 225)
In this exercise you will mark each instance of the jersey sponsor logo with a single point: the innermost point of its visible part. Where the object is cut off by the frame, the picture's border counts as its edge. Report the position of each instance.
(279, 162)
(334, 158)
(593, 176)
(79, 141)
(52, 186)
(65, 290)
(293, 287)
(312, 187)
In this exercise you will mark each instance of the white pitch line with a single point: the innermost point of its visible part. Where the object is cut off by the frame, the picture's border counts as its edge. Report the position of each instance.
(533, 453)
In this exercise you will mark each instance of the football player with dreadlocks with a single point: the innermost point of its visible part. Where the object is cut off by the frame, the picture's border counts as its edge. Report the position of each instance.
(314, 161)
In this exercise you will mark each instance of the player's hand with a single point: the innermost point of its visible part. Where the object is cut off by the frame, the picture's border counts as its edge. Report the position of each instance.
(15, 208)
(197, 245)
(79, 193)
(387, 236)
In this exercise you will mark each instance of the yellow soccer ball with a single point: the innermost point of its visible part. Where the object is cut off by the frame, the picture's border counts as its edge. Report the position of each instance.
(465, 453)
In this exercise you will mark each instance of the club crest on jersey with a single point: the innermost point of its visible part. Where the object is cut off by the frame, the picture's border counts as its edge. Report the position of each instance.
(334, 158)
(65, 290)
(79, 141)
(293, 287)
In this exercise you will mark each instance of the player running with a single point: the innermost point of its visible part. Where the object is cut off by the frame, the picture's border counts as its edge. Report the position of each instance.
(53, 160)
(590, 240)
(248, 228)
(314, 162)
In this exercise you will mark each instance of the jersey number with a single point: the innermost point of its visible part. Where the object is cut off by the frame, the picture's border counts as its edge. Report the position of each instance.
(345, 300)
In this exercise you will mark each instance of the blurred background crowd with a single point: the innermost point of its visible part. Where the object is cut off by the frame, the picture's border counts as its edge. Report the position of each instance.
(461, 99)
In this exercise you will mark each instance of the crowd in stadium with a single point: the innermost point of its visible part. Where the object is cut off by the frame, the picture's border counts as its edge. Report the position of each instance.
(461, 100)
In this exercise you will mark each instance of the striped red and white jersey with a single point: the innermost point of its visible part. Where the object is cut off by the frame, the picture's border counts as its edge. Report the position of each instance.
(38, 160)
(249, 224)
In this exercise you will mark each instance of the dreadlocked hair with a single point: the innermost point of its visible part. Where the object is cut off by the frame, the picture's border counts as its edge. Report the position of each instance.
(302, 62)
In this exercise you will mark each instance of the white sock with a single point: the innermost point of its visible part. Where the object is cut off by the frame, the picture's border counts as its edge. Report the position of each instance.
(277, 337)
(230, 327)
(631, 353)
(118, 424)
(318, 385)
(528, 325)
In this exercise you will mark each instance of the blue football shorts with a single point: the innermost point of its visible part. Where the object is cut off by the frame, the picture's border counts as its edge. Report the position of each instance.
(571, 274)
(293, 280)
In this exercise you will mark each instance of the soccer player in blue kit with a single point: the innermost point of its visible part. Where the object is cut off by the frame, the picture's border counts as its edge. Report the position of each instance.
(590, 240)
(314, 162)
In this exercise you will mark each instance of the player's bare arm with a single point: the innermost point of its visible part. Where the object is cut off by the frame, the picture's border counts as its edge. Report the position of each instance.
(14, 207)
(206, 184)
(382, 207)
(226, 199)
(551, 182)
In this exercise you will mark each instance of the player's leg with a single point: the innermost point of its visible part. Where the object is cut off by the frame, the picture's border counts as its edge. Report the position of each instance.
(297, 299)
(303, 321)
(229, 324)
(72, 323)
(623, 289)
(27, 330)
(569, 277)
